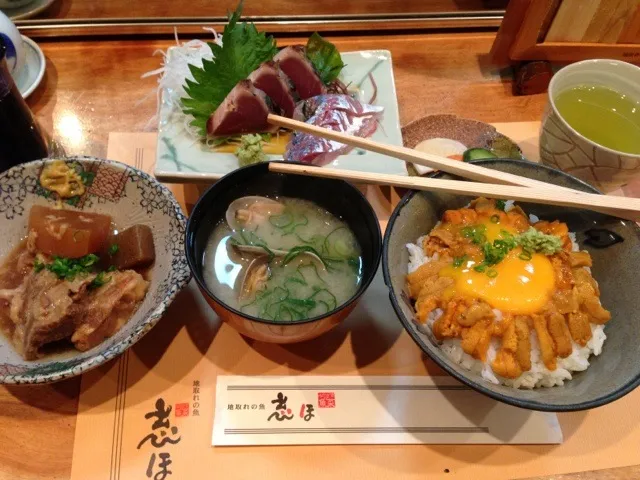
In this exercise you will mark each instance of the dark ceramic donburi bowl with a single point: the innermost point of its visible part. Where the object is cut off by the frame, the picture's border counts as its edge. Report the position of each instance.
(612, 374)
(338, 197)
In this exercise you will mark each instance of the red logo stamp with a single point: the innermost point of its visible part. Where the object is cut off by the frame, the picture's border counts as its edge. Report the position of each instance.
(182, 409)
(326, 400)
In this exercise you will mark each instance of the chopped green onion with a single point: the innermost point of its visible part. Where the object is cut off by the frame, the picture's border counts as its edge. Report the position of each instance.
(342, 249)
(531, 241)
(38, 266)
(501, 244)
(295, 251)
(69, 268)
(491, 273)
(100, 280)
(327, 246)
(249, 238)
(295, 280)
(281, 221)
(475, 233)
(458, 261)
(87, 177)
(88, 260)
(326, 306)
(291, 227)
(525, 255)
(113, 249)
(270, 254)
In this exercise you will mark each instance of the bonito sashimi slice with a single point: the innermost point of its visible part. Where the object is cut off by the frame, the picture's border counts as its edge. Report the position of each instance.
(340, 113)
(244, 110)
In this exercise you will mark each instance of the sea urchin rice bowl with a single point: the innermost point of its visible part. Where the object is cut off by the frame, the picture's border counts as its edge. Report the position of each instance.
(532, 287)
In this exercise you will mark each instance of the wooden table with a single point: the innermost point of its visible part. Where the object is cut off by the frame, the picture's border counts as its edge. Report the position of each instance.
(93, 88)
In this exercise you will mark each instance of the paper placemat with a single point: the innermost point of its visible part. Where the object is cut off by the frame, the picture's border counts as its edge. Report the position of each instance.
(177, 365)
(347, 410)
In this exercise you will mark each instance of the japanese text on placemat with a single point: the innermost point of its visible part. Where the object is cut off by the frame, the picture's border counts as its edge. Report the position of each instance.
(282, 413)
(196, 398)
(246, 406)
(162, 436)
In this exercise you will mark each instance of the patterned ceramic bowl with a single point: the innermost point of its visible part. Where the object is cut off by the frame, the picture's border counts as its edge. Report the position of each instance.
(564, 148)
(338, 197)
(130, 197)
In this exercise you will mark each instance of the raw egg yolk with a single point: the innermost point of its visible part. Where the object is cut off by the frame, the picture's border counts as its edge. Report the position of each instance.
(519, 286)
(494, 230)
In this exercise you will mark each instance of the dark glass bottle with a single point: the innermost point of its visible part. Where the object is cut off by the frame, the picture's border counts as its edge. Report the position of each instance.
(20, 137)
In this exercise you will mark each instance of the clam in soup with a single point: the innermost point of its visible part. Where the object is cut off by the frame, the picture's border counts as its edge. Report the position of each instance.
(282, 259)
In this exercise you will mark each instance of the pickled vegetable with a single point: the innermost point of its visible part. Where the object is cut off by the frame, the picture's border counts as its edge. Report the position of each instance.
(477, 154)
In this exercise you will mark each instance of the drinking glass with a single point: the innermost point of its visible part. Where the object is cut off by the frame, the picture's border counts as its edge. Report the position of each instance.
(21, 139)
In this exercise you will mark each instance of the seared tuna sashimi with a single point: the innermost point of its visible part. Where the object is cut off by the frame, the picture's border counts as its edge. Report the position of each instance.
(298, 68)
(340, 113)
(244, 110)
(271, 80)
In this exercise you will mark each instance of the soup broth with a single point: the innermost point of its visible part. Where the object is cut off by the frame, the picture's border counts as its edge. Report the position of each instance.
(284, 260)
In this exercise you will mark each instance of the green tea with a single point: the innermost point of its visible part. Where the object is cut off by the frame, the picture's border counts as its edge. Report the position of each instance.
(602, 115)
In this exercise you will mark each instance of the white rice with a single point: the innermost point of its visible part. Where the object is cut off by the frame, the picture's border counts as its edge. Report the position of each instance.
(417, 256)
(538, 375)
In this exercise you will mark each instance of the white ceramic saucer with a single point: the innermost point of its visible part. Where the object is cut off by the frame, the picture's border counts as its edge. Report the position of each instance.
(33, 70)
(28, 10)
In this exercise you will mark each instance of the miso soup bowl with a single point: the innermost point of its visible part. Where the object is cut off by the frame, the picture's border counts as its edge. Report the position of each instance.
(336, 196)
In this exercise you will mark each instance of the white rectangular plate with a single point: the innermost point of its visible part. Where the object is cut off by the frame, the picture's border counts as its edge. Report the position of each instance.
(323, 410)
(181, 159)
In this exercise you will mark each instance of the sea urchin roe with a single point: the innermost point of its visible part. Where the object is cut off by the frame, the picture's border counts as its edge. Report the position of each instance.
(506, 364)
(499, 276)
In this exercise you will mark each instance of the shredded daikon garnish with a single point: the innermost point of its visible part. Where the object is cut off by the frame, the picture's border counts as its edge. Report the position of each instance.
(174, 71)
